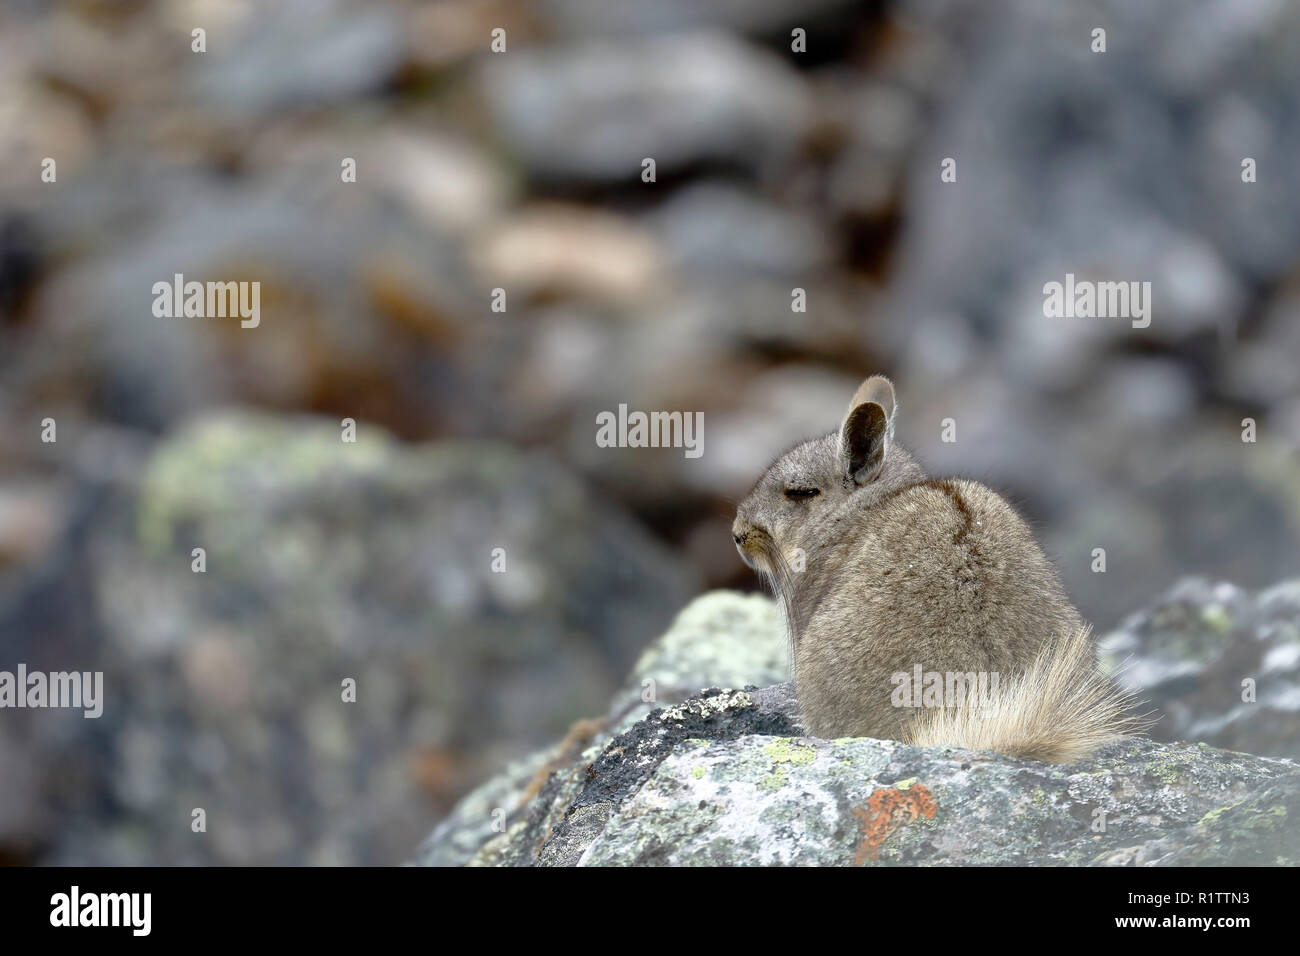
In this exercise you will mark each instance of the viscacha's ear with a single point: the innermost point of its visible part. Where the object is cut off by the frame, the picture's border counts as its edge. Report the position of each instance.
(867, 430)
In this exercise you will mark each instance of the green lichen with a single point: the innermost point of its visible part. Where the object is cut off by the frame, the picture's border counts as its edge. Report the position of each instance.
(698, 772)
(1217, 617)
(206, 468)
(1265, 819)
(708, 707)
(1212, 817)
(1168, 770)
(789, 750)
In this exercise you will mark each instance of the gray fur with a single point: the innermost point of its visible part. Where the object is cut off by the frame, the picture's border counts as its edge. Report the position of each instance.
(899, 570)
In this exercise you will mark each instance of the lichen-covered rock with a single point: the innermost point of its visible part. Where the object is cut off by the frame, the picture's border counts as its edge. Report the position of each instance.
(720, 639)
(324, 561)
(728, 777)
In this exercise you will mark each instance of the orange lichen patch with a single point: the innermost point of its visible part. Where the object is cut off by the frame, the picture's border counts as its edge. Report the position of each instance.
(887, 809)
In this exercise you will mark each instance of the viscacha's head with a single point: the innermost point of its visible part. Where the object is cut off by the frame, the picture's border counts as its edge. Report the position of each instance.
(801, 500)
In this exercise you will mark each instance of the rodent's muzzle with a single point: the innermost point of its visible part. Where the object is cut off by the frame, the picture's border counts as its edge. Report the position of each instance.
(746, 537)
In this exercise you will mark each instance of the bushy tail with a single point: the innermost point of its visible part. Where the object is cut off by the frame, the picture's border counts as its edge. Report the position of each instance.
(1059, 710)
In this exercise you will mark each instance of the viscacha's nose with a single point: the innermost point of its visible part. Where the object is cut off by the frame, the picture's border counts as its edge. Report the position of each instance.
(739, 531)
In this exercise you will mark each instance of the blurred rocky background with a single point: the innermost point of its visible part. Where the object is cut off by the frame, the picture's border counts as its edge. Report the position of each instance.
(522, 170)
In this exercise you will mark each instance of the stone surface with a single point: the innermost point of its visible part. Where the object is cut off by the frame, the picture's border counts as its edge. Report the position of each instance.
(728, 778)
(777, 170)
(592, 112)
(325, 561)
(1193, 651)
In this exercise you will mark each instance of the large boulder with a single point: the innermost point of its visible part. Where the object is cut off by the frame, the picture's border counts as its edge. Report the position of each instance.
(728, 777)
(480, 598)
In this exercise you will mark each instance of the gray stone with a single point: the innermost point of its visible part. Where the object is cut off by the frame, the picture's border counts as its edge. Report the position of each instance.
(728, 778)
(715, 229)
(326, 561)
(297, 55)
(619, 17)
(593, 112)
(1191, 650)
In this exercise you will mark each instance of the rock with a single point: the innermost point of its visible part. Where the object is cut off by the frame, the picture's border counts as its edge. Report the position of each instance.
(448, 182)
(1025, 94)
(30, 516)
(297, 56)
(1142, 393)
(591, 113)
(1286, 418)
(728, 778)
(119, 362)
(1194, 647)
(439, 36)
(1192, 293)
(326, 562)
(619, 17)
(1262, 368)
(722, 639)
(37, 123)
(879, 124)
(715, 229)
(442, 180)
(567, 251)
(25, 816)
(1230, 508)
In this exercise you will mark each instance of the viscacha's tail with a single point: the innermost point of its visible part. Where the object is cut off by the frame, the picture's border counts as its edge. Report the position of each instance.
(1060, 710)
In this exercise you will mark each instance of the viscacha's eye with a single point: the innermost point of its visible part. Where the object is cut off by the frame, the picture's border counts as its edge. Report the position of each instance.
(799, 494)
